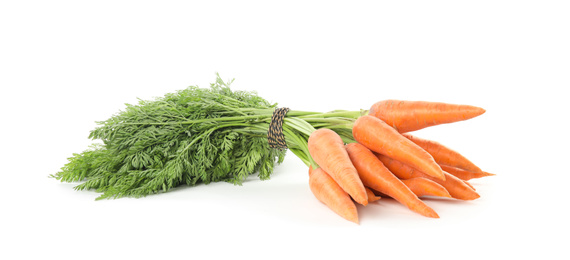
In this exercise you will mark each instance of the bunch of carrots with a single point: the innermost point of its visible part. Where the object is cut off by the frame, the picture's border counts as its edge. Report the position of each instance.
(385, 160)
(205, 135)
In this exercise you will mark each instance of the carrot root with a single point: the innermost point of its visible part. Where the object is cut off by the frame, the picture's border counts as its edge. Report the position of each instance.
(331, 194)
(455, 186)
(377, 177)
(371, 196)
(327, 149)
(464, 174)
(442, 154)
(426, 187)
(379, 137)
(407, 116)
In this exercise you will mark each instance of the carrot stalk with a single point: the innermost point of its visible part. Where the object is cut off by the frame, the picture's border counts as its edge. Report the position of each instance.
(442, 154)
(426, 187)
(464, 174)
(327, 150)
(376, 176)
(327, 191)
(379, 137)
(407, 116)
(455, 186)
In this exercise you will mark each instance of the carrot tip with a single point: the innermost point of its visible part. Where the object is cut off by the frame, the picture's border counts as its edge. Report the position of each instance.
(362, 202)
(430, 214)
(472, 196)
(352, 218)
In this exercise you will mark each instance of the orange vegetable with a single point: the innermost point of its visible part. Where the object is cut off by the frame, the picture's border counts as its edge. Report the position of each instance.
(327, 191)
(371, 196)
(381, 138)
(468, 184)
(376, 176)
(327, 149)
(456, 187)
(464, 174)
(407, 116)
(426, 187)
(443, 155)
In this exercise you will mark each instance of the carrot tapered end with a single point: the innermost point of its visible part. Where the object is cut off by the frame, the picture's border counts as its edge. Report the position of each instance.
(362, 200)
(471, 195)
(476, 196)
(371, 196)
(481, 111)
(350, 214)
(354, 220)
(434, 170)
(429, 212)
(434, 215)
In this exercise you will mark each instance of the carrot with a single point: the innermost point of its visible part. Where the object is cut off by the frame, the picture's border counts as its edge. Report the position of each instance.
(426, 187)
(376, 176)
(407, 116)
(455, 186)
(327, 149)
(468, 184)
(327, 191)
(443, 155)
(371, 196)
(464, 174)
(381, 138)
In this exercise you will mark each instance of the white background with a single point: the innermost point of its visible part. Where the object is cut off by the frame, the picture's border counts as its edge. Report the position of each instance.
(66, 64)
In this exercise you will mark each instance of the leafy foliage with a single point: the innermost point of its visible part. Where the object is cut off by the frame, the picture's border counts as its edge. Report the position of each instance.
(195, 135)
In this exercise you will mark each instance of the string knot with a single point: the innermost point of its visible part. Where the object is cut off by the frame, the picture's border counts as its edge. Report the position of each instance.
(275, 135)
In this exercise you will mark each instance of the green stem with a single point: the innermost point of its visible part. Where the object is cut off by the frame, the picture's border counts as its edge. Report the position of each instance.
(345, 114)
(300, 125)
(299, 142)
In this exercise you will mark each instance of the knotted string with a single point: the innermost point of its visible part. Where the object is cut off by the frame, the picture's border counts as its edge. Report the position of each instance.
(275, 135)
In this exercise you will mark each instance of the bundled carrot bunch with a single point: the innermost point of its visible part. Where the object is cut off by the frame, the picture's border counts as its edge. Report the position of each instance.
(202, 135)
(385, 160)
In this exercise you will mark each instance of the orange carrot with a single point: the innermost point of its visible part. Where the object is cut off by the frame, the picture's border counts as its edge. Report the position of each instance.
(381, 138)
(327, 149)
(371, 196)
(327, 191)
(407, 116)
(426, 187)
(376, 176)
(468, 184)
(455, 186)
(464, 174)
(443, 155)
